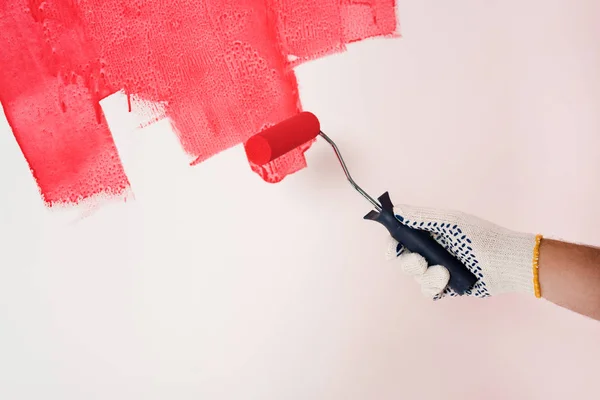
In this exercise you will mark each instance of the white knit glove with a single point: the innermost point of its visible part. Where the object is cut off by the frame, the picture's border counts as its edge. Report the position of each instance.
(504, 261)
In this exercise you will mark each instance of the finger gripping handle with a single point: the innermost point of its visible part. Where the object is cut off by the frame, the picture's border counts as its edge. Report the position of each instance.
(418, 241)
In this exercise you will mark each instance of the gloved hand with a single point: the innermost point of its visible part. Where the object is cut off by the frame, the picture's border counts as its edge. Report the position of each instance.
(504, 261)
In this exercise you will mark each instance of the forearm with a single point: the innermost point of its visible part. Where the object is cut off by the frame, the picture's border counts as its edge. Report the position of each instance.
(569, 276)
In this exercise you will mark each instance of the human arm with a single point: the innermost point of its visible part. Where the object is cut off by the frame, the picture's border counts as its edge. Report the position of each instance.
(569, 276)
(505, 261)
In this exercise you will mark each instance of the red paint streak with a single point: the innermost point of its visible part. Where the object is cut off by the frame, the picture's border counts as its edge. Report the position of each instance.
(223, 67)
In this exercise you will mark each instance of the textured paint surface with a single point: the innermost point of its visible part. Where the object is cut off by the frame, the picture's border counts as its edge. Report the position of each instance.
(223, 69)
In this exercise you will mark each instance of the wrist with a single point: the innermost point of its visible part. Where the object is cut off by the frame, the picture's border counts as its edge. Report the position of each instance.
(520, 254)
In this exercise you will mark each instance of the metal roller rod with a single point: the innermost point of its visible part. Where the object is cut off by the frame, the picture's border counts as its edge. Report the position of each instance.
(343, 164)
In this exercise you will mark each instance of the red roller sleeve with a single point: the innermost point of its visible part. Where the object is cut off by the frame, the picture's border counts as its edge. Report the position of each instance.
(277, 140)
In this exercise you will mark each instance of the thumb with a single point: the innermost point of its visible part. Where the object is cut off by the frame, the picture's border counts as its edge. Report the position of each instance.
(426, 218)
(408, 214)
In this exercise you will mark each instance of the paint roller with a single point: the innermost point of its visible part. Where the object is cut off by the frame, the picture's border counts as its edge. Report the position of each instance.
(277, 140)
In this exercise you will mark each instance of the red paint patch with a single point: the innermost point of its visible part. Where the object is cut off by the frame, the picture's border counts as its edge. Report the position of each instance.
(223, 67)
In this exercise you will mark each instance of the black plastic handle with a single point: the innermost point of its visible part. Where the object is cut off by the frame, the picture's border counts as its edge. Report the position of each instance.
(418, 241)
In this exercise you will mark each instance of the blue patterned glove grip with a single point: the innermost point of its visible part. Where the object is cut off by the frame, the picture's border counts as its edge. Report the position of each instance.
(418, 241)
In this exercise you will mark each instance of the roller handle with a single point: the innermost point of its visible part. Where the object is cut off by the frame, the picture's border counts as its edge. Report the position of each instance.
(418, 241)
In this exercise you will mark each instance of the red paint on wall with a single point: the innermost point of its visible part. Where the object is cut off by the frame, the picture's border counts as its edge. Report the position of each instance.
(223, 68)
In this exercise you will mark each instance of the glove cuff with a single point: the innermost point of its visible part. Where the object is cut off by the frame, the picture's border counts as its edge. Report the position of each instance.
(517, 265)
(536, 267)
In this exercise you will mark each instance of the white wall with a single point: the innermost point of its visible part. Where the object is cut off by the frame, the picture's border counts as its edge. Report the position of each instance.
(212, 284)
